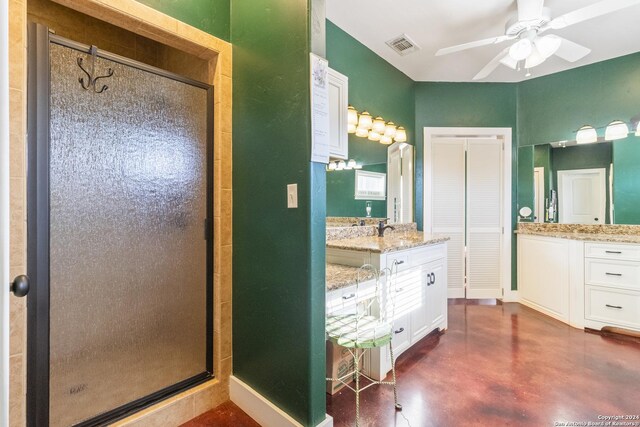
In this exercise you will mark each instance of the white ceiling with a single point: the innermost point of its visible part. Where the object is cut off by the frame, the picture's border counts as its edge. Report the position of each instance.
(435, 24)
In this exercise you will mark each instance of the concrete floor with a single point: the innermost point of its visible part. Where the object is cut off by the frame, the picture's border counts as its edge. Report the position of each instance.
(496, 365)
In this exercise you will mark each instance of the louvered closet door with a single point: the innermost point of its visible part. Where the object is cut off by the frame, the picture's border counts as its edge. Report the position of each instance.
(484, 218)
(448, 200)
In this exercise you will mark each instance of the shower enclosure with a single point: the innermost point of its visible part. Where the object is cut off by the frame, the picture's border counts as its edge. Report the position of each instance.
(120, 249)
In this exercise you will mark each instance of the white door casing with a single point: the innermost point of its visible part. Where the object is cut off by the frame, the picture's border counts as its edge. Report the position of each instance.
(4, 213)
(496, 243)
(582, 196)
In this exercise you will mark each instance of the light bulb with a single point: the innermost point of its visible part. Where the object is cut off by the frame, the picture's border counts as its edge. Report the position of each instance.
(638, 129)
(351, 164)
(332, 166)
(351, 128)
(352, 116)
(362, 132)
(586, 135)
(617, 129)
(386, 140)
(378, 125)
(520, 49)
(365, 121)
(374, 136)
(390, 129)
(401, 134)
(341, 165)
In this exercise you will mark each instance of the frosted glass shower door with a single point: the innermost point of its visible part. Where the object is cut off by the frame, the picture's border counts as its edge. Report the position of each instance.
(129, 252)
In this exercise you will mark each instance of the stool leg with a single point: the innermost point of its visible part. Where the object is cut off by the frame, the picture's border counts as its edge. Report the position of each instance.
(393, 373)
(357, 373)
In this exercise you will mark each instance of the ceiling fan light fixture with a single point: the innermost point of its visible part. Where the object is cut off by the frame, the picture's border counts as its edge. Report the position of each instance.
(521, 49)
(586, 135)
(548, 45)
(509, 62)
(617, 129)
(535, 59)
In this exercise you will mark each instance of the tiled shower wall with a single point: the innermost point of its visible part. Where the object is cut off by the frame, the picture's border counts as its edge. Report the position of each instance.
(151, 37)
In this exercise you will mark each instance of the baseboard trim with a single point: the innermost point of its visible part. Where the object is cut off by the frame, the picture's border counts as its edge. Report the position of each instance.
(261, 409)
(510, 296)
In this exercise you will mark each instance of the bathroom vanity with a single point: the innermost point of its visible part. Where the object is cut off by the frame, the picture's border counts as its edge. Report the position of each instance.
(586, 276)
(421, 284)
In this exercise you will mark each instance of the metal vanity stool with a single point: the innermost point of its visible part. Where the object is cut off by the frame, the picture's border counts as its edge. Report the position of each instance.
(369, 326)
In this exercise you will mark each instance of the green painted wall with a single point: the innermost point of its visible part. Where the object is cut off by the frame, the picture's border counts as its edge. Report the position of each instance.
(552, 108)
(464, 105)
(212, 16)
(461, 105)
(626, 180)
(278, 253)
(340, 194)
(376, 86)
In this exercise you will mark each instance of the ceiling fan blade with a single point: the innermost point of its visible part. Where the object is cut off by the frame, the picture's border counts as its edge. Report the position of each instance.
(529, 10)
(492, 65)
(595, 10)
(570, 51)
(471, 45)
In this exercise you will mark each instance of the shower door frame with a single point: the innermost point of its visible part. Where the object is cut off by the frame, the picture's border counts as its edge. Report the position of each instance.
(38, 115)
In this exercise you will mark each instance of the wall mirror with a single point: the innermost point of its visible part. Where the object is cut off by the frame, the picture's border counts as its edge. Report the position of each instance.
(567, 183)
(396, 162)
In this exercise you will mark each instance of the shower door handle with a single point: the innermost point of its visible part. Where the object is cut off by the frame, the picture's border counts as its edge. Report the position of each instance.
(20, 286)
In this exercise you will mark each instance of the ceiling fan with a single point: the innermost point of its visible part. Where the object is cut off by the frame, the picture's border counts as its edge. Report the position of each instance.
(531, 48)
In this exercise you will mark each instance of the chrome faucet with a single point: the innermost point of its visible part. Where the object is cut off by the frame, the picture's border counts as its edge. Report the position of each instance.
(382, 227)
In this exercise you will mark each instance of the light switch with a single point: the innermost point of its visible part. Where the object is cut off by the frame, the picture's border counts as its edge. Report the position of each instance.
(292, 195)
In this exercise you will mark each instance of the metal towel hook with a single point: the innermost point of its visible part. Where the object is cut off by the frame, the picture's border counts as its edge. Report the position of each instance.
(91, 80)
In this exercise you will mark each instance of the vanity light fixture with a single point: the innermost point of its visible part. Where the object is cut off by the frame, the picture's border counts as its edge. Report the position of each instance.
(638, 129)
(586, 135)
(352, 116)
(401, 135)
(365, 126)
(339, 165)
(617, 129)
(365, 121)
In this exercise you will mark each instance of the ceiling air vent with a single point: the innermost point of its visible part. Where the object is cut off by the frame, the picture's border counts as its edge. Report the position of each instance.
(403, 45)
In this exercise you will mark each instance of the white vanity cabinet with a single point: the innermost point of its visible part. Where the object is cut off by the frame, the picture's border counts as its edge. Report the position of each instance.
(583, 283)
(338, 105)
(612, 286)
(420, 304)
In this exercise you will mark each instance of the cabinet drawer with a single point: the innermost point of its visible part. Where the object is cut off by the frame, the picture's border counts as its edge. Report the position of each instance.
(401, 258)
(612, 273)
(607, 250)
(401, 335)
(417, 256)
(613, 306)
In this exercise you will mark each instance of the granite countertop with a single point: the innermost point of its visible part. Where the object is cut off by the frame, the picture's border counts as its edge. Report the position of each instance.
(340, 276)
(389, 243)
(591, 237)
